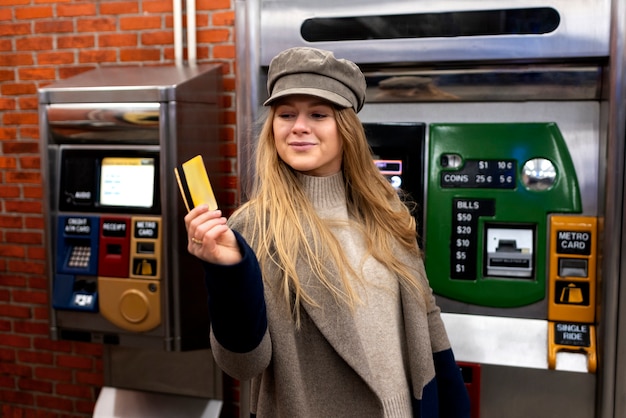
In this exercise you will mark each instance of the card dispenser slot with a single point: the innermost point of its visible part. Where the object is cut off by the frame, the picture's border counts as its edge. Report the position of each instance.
(145, 248)
(145, 257)
(573, 267)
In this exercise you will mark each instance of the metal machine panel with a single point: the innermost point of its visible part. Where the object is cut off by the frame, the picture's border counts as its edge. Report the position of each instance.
(377, 33)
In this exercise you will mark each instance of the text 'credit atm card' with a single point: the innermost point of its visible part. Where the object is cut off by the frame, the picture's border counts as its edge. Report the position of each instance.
(193, 182)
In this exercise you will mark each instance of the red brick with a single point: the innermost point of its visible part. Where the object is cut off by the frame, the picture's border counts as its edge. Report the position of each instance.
(13, 29)
(32, 192)
(14, 312)
(23, 237)
(29, 132)
(9, 221)
(224, 19)
(7, 382)
(97, 56)
(55, 58)
(35, 357)
(213, 35)
(75, 70)
(40, 43)
(12, 251)
(32, 328)
(75, 391)
(95, 379)
(76, 41)
(54, 402)
(14, 118)
(54, 374)
(28, 267)
(119, 7)
(54, 26)
(101, 24)
(212, 4)
(157, 38)
(12, 280)
(7, 75)
(41, 313)
(16, 59)
(20, 148)
(79, 9)
(9, 191)
(17, 398)
(7, 355)
(6, 14)
(6, 45)
(38, 282)
(84, 407)
(157, 6)
(34, 385)
(88, 349)
(140, 54)
(34, 222)
(140, 23)
(36, 73)
(8, 162)
(74, 362)
(23, 207)
(25, 296)
(48, 344)
(22, 177)
(36, 12)
(117, 39)
(28, 102)
(224, 51)
(19, 341)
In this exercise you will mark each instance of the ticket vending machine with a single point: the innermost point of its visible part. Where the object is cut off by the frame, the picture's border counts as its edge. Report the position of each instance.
(505, 228)
(119, 270)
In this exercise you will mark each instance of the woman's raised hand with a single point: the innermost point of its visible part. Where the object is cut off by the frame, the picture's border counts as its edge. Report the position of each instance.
(209, 237)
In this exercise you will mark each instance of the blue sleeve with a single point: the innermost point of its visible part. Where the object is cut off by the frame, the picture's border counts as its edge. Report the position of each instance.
(453, 396)
(236, 301)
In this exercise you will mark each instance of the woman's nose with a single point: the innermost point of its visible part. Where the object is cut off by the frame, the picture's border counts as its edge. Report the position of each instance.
(301, 124)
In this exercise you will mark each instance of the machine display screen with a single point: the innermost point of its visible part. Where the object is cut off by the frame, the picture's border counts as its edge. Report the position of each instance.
(127, 181)
(112, 180)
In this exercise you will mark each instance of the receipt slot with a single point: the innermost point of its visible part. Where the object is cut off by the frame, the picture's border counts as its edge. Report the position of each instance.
(119, 271)
(491, 188)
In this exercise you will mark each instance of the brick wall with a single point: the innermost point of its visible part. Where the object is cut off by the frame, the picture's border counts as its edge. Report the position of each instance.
(42, 41)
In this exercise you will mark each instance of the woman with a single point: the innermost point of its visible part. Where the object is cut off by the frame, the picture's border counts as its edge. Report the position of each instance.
(317, 290)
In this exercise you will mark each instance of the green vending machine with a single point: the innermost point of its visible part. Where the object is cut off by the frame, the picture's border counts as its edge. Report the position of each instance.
(490, 191)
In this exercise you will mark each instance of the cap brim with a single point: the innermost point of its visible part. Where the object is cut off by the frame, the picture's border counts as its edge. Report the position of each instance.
(324, 94)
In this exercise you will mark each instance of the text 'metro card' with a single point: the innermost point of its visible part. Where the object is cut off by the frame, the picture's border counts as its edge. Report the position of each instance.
(194, 184)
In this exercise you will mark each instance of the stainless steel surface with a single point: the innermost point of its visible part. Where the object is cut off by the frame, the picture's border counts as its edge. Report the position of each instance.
(104, 122)
(281, 22)
(131, 84)
(521, 392)
(578, 122)
(572, 76)
(247, 85)
(612, 328)
(168, 110)
(189, 373)
(502, 341)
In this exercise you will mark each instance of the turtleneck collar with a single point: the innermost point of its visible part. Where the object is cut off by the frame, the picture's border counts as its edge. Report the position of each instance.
(324, 192)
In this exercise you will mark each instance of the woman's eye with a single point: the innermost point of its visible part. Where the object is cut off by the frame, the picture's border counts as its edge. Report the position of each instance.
(286, 115)
(318, 115)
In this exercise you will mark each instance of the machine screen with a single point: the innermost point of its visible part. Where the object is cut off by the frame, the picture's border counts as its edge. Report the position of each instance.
(127, 182)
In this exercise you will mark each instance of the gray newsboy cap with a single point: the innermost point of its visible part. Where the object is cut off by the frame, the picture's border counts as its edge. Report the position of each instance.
(316, 72)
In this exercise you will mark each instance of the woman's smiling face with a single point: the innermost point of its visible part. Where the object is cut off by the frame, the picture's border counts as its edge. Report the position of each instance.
(306, 135)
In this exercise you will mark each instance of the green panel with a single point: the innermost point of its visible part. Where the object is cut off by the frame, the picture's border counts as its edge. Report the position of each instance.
(484, 191)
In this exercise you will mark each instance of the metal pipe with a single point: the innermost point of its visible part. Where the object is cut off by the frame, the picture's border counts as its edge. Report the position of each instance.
(191, 32)
(178, 31)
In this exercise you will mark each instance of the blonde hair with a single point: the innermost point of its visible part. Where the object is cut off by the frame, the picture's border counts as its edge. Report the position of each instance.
(286, 228)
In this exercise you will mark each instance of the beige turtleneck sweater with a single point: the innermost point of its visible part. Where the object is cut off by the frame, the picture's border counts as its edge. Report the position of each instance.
(379, 315)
